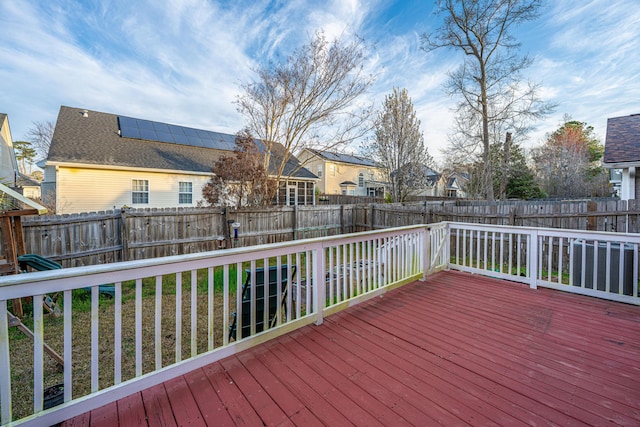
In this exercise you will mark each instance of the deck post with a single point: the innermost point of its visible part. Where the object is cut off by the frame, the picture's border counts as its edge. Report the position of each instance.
(426, 253)
(447, 245)
(319, 293)
(5, 366)
(533, 259)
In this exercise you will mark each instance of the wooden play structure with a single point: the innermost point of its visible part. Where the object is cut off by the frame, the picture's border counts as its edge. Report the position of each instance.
(13, 206)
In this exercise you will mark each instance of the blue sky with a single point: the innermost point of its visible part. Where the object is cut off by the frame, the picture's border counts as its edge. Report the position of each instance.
(181, 61)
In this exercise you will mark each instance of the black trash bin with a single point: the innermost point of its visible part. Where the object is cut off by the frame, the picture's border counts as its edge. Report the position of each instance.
(53, 396)
(601, 262)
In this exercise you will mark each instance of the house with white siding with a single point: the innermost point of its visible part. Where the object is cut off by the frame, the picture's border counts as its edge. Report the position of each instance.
(8, 164)
(622, 153)
(9, 172)
(100, 161)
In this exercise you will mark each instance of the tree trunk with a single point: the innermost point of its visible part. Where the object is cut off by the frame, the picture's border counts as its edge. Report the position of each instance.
(488, 173)
(504, 178)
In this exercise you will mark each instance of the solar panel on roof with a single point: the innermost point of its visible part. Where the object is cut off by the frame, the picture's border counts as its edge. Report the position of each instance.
(165, 137)
(197, 142)
(160, 127)
(127, 122)
(130, 132)
(145, 124)
(148, 134)
(176, 130)
(163, 132)
(180, 139)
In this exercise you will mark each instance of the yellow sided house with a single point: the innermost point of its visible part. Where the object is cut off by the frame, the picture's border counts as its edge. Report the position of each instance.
(344, 173)
(100, 161)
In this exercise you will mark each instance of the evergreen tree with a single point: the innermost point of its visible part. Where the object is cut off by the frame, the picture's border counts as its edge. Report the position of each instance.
(25, 154)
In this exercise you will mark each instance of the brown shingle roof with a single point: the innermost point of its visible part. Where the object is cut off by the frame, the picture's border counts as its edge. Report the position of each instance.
(95, 140)
(623, 139)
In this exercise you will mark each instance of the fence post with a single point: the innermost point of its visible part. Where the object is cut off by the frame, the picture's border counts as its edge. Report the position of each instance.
(425, 214)
(319, 292)
(294, 225)
(124, 234)
(592, 221)
(533, 259)
(373, 208)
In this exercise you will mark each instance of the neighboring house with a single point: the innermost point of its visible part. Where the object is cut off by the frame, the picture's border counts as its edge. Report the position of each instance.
(30, 187)
(100, 161)
(428, 187)
(8, 164)
(622, 151)
(344, 173)
(9, 172)
(452, 184)
(615, 179)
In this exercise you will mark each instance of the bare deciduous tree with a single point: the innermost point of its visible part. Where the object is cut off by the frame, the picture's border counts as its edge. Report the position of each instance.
(240, 179)
(488, 82)
(308, 100)
(399, 146)
(40, 135)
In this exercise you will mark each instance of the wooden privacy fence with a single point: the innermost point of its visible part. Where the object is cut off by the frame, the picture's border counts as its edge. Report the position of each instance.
(621, 216)
(130, 234)
(105, 237)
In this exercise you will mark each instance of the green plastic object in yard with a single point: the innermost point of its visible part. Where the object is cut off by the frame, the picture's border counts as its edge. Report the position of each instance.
(37, 262)
(40, 263)
(109, 290)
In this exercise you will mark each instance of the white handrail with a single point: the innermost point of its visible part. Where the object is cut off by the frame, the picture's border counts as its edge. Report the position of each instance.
(599, 264)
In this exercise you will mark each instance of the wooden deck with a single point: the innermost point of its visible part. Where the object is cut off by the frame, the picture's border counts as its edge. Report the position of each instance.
(459, 349)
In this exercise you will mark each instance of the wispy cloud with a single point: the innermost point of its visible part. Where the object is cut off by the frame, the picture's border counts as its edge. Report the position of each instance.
(182, 61)
(591, 61)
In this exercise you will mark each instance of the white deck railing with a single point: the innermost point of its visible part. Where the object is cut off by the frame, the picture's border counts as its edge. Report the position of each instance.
(171, 315)
(603, 265)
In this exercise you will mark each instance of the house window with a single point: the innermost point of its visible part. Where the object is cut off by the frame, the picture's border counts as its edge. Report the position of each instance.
(361, 180)
(332, 170)
(139, 191)
(319, 171)
(185, 192)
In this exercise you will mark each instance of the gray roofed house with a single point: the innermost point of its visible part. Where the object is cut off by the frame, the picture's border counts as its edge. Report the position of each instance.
(101, 161)
(342, 173)
(343, 158)
(622, 151)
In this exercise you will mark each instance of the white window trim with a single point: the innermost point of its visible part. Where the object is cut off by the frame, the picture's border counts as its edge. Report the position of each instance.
(190, 193)
(141, 192)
